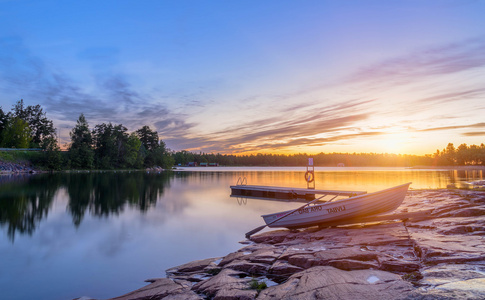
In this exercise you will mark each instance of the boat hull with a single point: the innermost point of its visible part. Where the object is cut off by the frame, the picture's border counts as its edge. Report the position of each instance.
(344, 211)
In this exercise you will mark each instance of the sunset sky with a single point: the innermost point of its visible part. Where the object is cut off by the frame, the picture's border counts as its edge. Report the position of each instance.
(254, 76)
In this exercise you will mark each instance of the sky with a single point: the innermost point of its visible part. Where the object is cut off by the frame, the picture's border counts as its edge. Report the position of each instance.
(240, 77)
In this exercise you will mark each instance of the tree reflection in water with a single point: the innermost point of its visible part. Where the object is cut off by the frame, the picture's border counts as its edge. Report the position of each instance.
(23, 204)
(26, 200)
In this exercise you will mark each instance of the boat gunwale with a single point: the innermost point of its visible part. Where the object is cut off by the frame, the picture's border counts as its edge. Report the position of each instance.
(343, 201)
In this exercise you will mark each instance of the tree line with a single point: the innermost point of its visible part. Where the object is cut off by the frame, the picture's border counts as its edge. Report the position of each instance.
(464, 155)
(301, 159)
(106, 146)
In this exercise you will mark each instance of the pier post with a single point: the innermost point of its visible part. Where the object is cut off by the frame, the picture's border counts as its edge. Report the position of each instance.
(310, 174)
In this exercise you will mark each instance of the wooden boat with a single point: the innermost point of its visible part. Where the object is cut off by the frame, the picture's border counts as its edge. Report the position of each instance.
(344, 211)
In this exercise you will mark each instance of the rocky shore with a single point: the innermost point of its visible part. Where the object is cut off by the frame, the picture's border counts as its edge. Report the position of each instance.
(439, 255)
(13, 168)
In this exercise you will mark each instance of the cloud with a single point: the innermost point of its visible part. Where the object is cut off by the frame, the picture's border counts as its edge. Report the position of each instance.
(307, 142)
(482, 133)
(451, 58)
(476, 125)
(116, 101)
(453, 96)
(299, 127)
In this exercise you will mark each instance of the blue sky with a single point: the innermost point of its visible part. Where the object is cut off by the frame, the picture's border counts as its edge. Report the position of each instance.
(254, 76)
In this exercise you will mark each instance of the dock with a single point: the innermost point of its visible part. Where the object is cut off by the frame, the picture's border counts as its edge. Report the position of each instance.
(260, 191)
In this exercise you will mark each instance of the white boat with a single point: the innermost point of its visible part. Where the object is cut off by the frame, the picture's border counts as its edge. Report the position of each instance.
(344, 211)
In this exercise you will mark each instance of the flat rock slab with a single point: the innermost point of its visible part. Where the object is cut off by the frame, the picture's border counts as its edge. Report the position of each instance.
(160, 289)
(325, 282)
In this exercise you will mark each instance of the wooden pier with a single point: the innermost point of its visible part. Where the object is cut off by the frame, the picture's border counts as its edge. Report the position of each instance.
(285, 192)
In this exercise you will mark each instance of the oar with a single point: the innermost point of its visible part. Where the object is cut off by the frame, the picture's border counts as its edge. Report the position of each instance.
(250, 233)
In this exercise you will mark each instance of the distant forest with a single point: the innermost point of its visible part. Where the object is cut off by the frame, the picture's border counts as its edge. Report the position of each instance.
(110, 146)
(450, 156)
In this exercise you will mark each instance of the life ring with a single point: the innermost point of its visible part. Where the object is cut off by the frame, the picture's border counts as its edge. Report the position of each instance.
(309, 176)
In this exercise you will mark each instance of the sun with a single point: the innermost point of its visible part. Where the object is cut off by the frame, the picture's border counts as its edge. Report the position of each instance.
(396, 143)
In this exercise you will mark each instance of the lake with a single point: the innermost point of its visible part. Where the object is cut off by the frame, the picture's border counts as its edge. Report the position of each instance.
(101, 234)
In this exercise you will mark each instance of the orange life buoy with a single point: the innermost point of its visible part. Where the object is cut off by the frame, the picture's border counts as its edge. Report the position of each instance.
(309, 176)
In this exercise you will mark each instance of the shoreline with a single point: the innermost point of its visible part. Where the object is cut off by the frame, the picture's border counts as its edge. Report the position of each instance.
(435, 256)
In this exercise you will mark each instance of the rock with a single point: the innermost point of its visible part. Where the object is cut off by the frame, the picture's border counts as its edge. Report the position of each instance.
(445, 274)
(159, 289)
(399, 266)
(231, 257)
(325, 282)
(354, 253)
(195, 266)
(248, 267)
(350, 264)
(226, 280)
(281, 270)
(235, 294)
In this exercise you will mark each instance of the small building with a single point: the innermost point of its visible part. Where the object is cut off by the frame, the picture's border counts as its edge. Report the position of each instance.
(213, 164)
(203, 164)
(191, 164)
(340, 165)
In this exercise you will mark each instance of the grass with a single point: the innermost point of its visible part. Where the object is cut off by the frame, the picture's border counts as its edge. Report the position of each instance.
(256, 285)
(20, 156)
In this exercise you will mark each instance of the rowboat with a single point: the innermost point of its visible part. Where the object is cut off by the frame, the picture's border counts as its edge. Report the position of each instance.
(344, 211)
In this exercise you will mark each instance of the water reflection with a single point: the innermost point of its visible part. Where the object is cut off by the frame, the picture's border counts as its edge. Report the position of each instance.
(26, 200)
(23, 204)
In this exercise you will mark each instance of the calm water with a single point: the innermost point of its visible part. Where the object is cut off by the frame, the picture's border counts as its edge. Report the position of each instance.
(102, 234)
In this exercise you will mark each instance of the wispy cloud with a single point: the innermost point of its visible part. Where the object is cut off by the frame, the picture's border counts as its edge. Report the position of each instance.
(299, 127)
(476, 125)
(482, 133)
(451, 58)
(26, 76)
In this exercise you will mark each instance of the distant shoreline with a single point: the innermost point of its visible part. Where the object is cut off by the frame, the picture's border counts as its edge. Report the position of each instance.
(450, 167)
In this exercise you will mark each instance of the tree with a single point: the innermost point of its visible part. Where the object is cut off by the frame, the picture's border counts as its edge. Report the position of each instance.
(134, 152)
(16, 134)
(81, 151)
(3, 124)
(41, 128)
(53, 159)
(462, 155)
(148, 137)
(110, 145)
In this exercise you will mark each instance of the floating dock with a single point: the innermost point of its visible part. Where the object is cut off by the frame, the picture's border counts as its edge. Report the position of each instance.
(260, 191)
